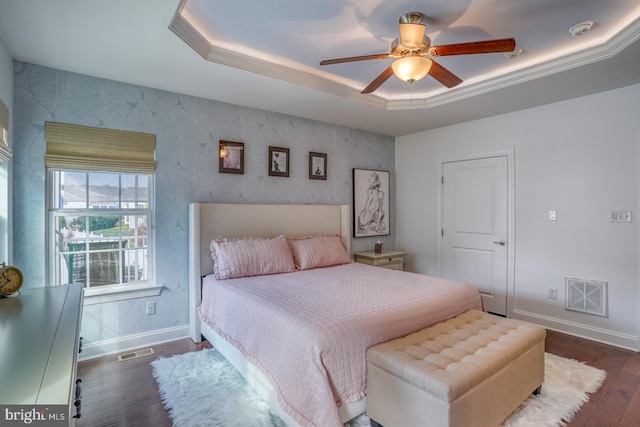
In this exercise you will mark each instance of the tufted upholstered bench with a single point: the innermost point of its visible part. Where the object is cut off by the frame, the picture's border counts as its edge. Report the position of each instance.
(472, 370)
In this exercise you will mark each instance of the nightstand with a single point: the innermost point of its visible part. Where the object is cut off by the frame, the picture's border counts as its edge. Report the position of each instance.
(393, 260)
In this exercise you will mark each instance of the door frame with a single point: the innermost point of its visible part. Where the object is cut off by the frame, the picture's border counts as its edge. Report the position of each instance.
(511, 235)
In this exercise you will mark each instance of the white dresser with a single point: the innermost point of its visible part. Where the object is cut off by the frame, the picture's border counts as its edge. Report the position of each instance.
(39, 346)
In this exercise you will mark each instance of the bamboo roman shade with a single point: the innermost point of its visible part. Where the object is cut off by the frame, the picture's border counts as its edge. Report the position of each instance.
(5, 151)
(97, 149)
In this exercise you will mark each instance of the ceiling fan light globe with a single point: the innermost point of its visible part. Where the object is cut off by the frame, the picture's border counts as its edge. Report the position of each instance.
(411, 68)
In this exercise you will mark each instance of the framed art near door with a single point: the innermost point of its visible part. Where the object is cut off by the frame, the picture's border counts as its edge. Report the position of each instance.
(370, 203)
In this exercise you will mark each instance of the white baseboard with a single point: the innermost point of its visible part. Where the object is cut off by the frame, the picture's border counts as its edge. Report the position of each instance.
(604, 336)
(132, 342)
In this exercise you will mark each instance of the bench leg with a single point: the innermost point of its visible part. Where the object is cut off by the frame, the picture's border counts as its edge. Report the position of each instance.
(537, 391)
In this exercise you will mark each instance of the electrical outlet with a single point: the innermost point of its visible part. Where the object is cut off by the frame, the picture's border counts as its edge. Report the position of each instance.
(151, 308)
(553, 293)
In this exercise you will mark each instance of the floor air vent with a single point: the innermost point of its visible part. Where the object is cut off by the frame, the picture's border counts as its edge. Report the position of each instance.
(135, 354)
(586, 296)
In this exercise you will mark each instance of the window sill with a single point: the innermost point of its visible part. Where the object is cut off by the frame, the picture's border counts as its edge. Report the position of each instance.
(120, 293)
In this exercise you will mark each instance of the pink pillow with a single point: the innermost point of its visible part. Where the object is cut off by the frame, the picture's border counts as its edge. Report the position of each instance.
(250, 257)
(318, 251)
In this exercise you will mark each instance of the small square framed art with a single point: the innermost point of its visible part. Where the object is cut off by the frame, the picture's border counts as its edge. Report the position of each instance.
(231, 157)
(278, 161)
(317, 166)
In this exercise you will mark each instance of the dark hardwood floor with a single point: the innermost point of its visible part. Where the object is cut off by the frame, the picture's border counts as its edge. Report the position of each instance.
(125, 393)
(617, 402)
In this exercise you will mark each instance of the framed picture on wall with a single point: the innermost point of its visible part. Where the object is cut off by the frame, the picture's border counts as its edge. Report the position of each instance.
(317, 166)
(370, 203)
(278, 161)
(231, 157)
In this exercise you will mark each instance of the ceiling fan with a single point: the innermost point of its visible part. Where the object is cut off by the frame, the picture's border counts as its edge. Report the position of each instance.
(411, 49)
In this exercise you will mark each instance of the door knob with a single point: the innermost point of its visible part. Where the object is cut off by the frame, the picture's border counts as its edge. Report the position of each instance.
(501, 243)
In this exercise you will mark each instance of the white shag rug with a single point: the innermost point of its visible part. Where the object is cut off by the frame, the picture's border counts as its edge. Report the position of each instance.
(567, 384)
(202, 389)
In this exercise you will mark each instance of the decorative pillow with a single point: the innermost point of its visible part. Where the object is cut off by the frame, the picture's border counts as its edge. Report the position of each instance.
(318, 251)
(250, 257)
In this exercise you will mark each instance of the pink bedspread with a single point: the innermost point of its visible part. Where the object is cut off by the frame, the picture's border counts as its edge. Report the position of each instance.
(309, 331)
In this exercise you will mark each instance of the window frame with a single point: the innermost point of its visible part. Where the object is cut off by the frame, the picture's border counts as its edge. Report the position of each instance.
(105, 293)
(5, 150)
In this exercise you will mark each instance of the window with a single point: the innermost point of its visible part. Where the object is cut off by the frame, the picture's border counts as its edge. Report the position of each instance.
(5, 151)
(99, 228)
(100, 200)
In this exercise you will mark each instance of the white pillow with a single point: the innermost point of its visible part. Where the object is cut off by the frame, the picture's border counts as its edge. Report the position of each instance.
(250, 257)
(318, 251)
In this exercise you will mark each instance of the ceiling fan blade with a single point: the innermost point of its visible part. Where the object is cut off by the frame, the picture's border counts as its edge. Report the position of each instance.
(354, 58)
(377, 82)
(443, 75)
(488, 46)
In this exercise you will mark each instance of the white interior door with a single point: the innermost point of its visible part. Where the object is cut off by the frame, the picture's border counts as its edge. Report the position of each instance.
(475, 227)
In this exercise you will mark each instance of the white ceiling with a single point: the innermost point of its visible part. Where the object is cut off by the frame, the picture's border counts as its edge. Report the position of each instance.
(266, 54)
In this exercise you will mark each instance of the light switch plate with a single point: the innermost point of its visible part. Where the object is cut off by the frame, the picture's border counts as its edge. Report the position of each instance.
(620, 216)
(552, 215)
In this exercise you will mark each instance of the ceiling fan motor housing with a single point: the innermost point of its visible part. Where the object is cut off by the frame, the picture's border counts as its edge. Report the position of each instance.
(411, 18)
(398, 50)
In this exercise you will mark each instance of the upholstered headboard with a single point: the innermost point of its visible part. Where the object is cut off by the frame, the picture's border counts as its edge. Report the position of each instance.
(209, 221)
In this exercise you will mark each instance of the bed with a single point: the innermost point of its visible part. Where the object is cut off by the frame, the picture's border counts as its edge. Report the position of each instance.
(312, 369)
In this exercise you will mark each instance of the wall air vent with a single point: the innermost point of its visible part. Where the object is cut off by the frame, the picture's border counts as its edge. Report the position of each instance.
(586, 296)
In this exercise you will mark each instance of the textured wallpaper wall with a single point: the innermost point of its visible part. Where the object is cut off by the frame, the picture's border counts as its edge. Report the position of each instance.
(188, 130)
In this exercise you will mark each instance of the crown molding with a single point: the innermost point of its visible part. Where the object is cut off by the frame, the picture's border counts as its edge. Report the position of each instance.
(600, 52)
(329, 83)
(300, 75)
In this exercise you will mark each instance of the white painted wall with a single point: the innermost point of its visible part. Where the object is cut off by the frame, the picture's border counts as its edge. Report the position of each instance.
(579, 157)
(6, 95)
